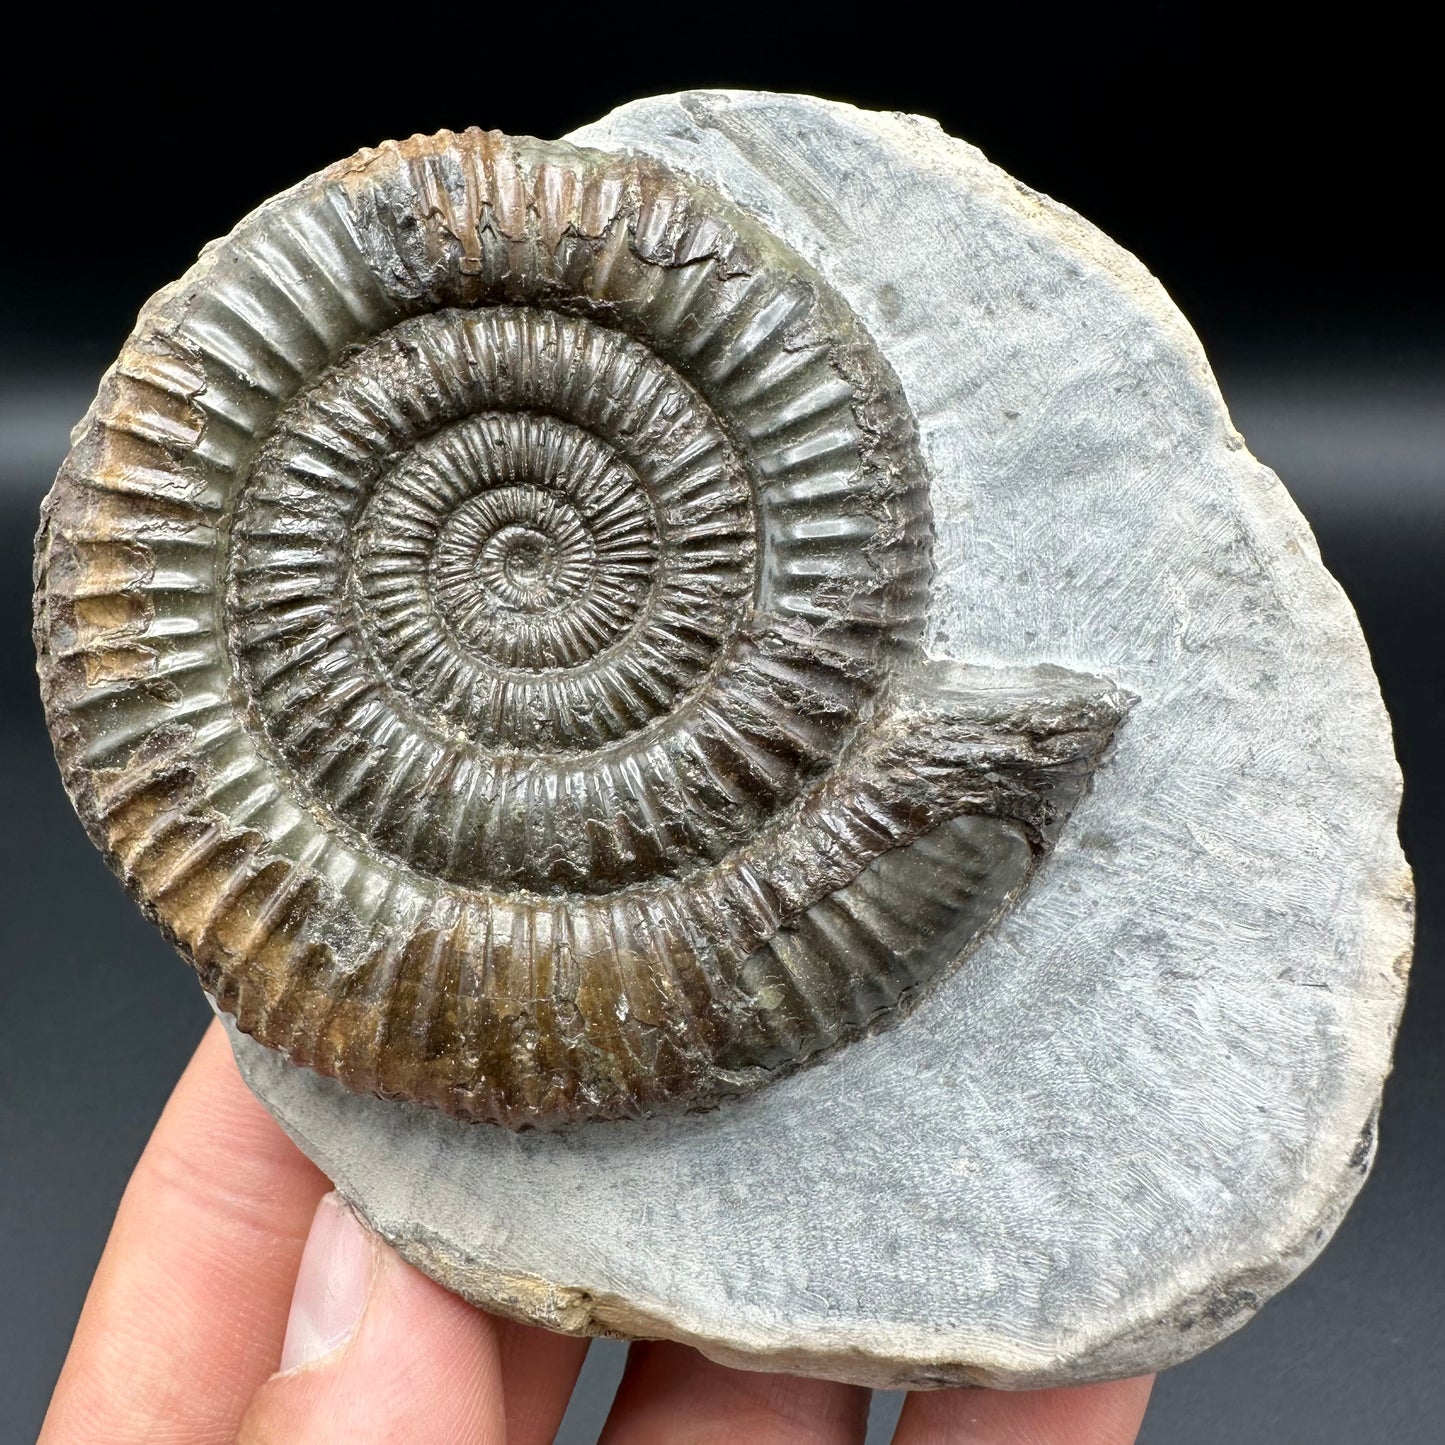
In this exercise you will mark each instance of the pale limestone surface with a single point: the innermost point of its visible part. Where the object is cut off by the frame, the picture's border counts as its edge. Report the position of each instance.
(1144, 1104)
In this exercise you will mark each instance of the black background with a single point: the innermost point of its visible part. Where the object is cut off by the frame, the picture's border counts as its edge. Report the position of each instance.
(1274, 174)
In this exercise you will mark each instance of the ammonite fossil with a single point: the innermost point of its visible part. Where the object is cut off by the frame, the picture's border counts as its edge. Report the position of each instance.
(479, 621)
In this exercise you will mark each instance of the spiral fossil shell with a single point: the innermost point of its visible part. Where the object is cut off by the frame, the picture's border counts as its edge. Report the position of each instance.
(479, 620)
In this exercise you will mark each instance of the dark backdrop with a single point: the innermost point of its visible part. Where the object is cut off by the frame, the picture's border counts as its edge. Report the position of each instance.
(1274, 178)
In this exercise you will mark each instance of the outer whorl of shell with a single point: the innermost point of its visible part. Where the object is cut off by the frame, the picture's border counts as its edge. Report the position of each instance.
(478, 620)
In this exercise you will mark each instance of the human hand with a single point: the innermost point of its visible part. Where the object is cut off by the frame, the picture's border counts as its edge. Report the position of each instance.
(239, 1301)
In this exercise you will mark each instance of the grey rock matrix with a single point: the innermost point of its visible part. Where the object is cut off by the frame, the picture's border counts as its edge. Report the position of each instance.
(1146, 1100)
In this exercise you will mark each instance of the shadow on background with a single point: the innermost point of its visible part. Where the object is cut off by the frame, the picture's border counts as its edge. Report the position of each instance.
(1322, 324)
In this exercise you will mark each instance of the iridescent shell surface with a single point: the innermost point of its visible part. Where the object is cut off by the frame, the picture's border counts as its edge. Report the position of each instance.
(478, 620)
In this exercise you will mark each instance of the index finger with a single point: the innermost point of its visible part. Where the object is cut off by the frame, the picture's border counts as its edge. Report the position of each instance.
(186, 1314)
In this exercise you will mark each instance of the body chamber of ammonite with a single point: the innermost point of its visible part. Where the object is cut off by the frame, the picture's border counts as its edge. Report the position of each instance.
(479, 621)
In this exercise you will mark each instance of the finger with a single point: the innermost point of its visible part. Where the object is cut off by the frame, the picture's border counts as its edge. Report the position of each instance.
(377, 1352)
(185, 1316)
(539, 1370)
(670, 1393)
(1081, 1415)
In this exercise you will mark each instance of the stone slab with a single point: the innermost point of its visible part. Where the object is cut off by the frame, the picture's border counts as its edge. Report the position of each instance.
(1144, 1104)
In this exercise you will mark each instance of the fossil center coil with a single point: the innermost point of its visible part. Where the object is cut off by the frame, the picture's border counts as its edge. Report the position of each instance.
(480, 622)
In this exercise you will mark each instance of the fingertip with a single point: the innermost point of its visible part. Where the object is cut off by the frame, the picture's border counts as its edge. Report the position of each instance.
(337, 1274)
(376, 1351)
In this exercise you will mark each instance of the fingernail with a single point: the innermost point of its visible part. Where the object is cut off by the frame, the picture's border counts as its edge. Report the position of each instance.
(332, 1287)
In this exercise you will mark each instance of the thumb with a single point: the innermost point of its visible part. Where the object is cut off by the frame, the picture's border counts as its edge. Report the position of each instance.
(375, 1352)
